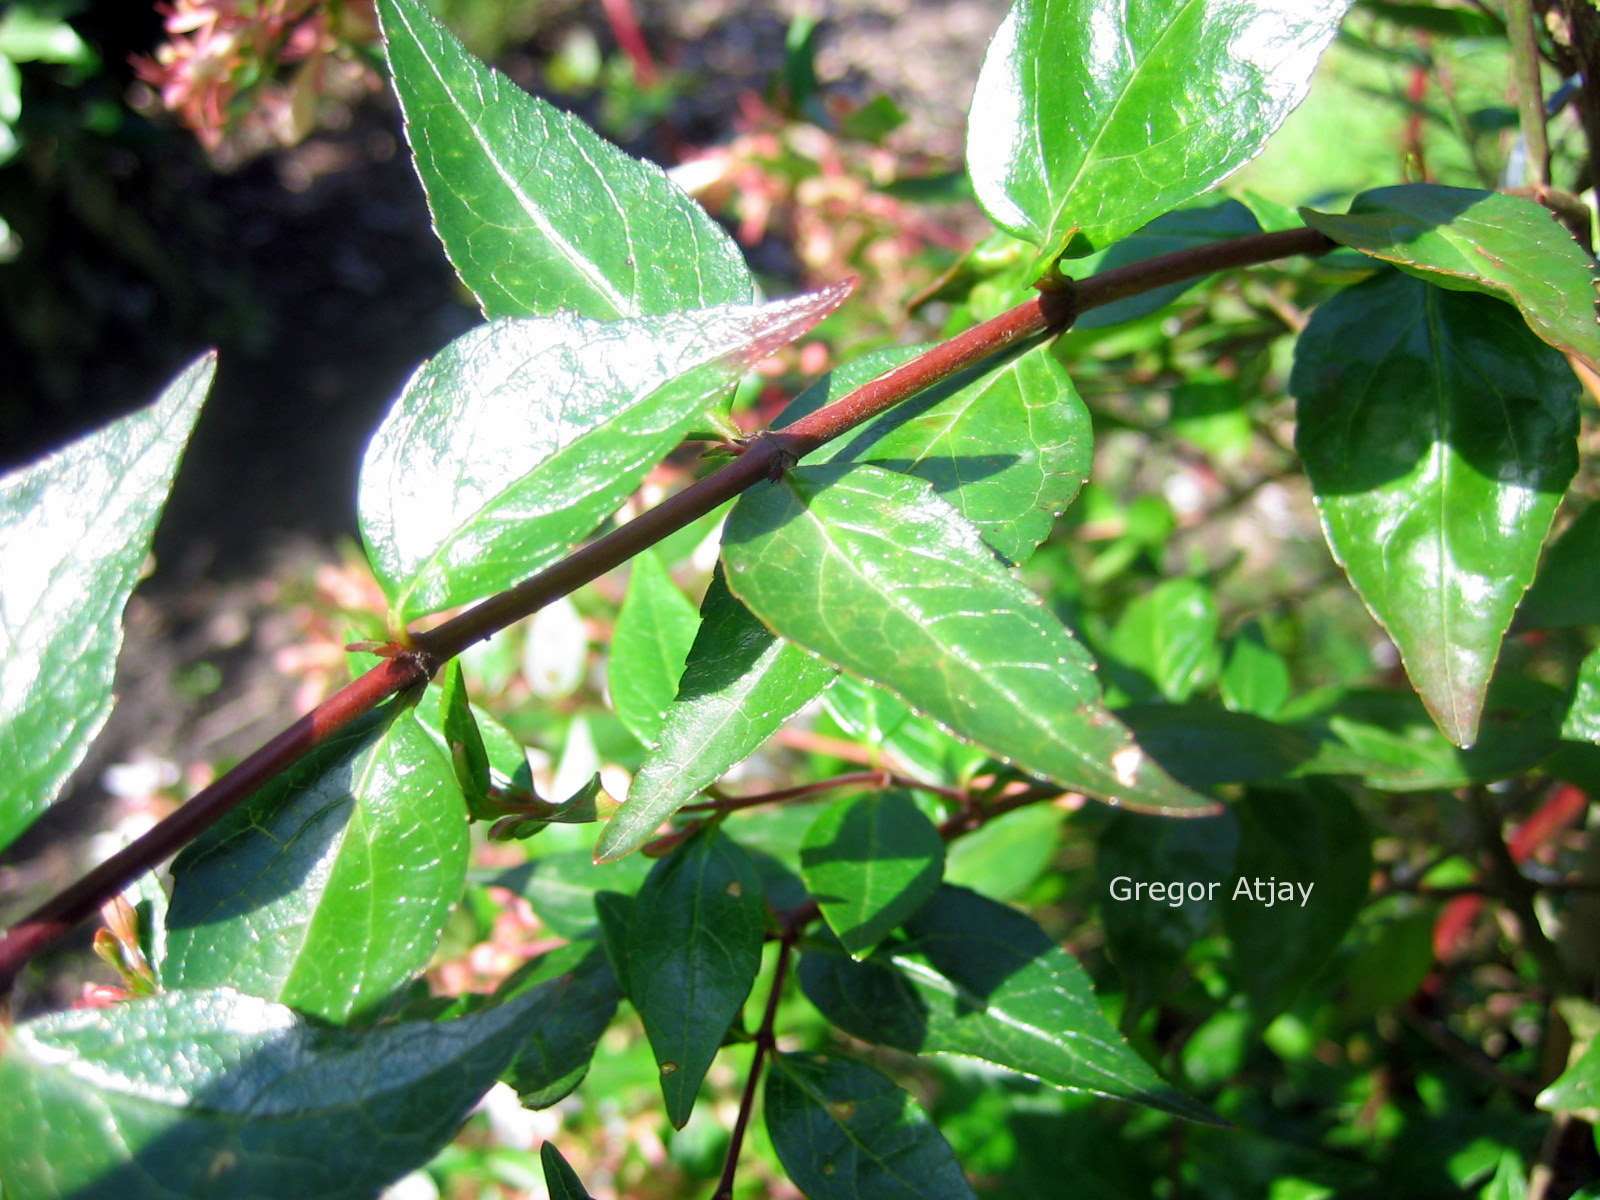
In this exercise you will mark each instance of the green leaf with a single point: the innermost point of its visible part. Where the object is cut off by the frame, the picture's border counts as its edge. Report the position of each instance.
(1184, 229)
(74, 532)
(1149, 935)
(464, 741)
(1470, 240)
(1202, 746)
(694, 947)
(1302, 838)
(870, 861)
(520, 437)
(1563, 592)
(876, 574)
(844, 1132)
(574, 995)
(974, 976)
(739, 685)
(653, 634)
(1582, 720)
(536, 211)
(329, 889)
(560, 1180)
(213, 1095)
(1004, 857)
(563, 887)
(1439, 436)
(1092, 117)
(1578, 1087)
(1167, 640)
(1254, 679)
(1387, 740)
(1007, 444)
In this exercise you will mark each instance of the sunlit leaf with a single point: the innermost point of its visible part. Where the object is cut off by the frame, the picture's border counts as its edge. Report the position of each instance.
(74, 532)
(1439, 435)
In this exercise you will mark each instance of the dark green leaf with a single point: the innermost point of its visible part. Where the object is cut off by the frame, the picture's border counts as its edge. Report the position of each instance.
(1396, 959)
(74, 532)
(694, 947)
(973, 976)
(560, 1180)
(1439, 435)
(876, 574)
(1090, 117)
(1184, 229)
(844, 1132)
(329, 889)
(654, 631)
(739, 685)
(464, 741)
(1201, 745)
(1564, 592)
(1291, 841)
(573, 995)
(537, 212)
(1387, 740)
(1166, 641)
(1192, 862)
(216, 1095)
(1478, 241)
(521, 436)
(870, 861)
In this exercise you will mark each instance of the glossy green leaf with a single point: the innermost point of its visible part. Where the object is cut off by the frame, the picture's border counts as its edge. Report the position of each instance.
(1092, 117)
(464, 741)
(1576, 1088)
(1311, 838)
(1148, 935)
(1386, 739)
(329, 889)
(1470, 240)
(845, 1132)
(870, 862)
(574, 995)
(1564, 592)
(560, 1180)
(654, 631)
(521, 436)
(215, 1095)
(883, 722)
(973, 976)
(74, 532)
(694, 947)
(876, 574)
(1183, 229)
(1007, 444)
(1165, 642)
(538, 212)
(1439, 435)
(739, 685)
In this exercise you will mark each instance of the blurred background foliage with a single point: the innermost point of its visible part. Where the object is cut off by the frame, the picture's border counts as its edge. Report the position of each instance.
(159, 193)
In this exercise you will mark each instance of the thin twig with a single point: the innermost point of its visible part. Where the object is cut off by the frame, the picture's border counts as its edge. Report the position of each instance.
(1529, 86)
(766, 1043)
(767, 456)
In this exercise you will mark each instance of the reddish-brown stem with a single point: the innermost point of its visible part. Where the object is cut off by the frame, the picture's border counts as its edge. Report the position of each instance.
(765, 1044)
(66, 909)
(766, 457)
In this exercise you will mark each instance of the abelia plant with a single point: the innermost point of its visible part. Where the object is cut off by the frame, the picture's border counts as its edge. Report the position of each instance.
(874, 548)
